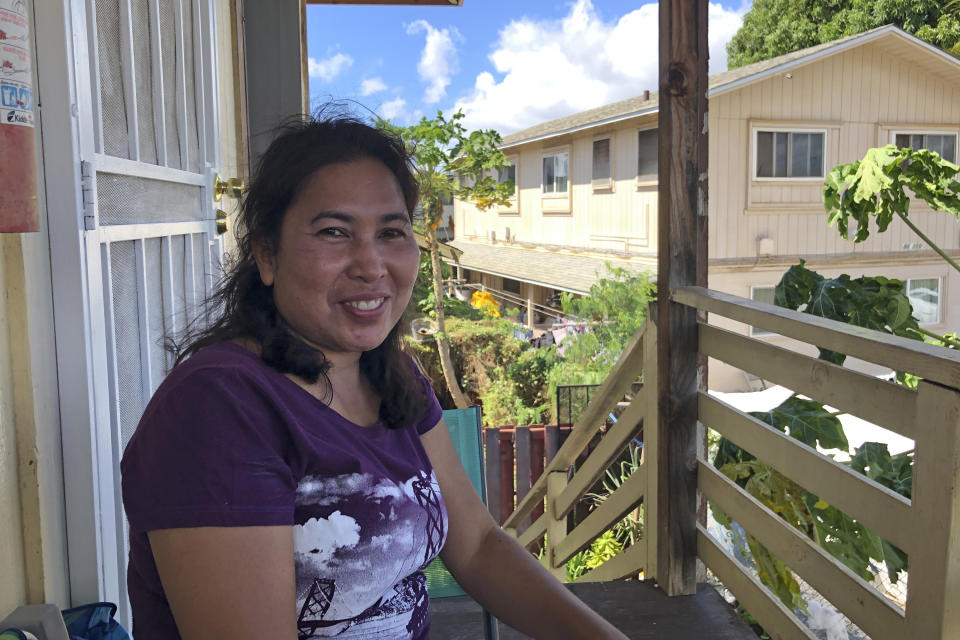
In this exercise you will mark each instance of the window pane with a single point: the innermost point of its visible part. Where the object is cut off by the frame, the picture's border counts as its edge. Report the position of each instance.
(924, 297)
(508, 173)
(762, 294)
(601, 159)
(764, 154)
(780, 159)
(949, 152)
(800, 155)
(647, 153)
(548, 181)
(902, 140)
(562, 172)
(816, 154)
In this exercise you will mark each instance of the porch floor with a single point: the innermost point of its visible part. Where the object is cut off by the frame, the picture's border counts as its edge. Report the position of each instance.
(640, 610)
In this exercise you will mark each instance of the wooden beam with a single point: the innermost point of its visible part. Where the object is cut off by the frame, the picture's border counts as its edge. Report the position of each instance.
(682, 261)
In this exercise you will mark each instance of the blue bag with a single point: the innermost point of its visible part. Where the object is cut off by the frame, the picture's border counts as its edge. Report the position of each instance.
(94, 622)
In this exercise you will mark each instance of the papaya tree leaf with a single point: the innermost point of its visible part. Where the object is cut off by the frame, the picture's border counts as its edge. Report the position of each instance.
(808, 421)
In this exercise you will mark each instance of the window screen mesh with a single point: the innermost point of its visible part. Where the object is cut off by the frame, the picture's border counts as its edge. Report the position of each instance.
(169, 32)
(193, 145)
(130, 398)
(156, 313)
(112, 100)
(129, 200)
(143, 72)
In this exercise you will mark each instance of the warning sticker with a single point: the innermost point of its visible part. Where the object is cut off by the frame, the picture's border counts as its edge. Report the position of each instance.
(16, 82)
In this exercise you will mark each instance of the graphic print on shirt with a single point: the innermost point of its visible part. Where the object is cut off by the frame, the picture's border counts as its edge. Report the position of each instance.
(359, 544)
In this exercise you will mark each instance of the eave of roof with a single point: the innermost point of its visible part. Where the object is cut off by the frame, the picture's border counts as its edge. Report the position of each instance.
(719, 83)
(556, 270)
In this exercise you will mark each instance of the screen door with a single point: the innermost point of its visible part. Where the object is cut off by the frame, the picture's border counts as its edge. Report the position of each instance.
(152, 254)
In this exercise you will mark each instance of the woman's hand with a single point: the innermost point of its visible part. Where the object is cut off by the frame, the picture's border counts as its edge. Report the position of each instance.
(494, 569)
(229, 582)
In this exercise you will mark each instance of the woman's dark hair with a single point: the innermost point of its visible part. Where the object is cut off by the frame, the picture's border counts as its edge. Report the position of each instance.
(243, 307)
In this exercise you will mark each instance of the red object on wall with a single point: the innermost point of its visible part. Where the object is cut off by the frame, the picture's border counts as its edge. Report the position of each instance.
(18, 179)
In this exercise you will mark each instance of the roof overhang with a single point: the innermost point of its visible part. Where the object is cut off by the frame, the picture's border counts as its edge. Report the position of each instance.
(564, 271)
(583, 127)
(447, 252)
(922, 54)
(880, 33)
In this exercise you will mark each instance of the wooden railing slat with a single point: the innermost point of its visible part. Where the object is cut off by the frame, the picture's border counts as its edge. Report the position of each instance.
(603, 456)
(772, 615)
(534, 532)
(624, 372)
(859, 601)
(925, 360)
(628, 562)
(885, 404)
(627, 496)
(881, 510)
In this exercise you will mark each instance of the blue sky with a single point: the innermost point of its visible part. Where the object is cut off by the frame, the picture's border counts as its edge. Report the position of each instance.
(508, 64)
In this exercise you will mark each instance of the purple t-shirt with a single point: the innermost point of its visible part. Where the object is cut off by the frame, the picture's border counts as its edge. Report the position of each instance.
(227, 441)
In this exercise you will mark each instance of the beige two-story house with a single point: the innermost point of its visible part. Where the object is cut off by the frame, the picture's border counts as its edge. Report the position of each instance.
(586, 185)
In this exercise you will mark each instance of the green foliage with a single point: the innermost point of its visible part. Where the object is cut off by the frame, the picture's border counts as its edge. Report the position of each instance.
(601, 549)
(618, 305)
(444, 151)
(630, 528)
(807, 421)
(502, 404)
(876, 187)
(530, 375)
(872, 302)
(421, 302)
(775, 27)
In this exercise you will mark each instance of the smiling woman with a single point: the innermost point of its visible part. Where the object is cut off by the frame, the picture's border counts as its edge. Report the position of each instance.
(288, 479)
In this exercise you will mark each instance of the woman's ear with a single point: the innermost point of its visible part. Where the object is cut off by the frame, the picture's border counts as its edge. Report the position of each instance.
(265, 257)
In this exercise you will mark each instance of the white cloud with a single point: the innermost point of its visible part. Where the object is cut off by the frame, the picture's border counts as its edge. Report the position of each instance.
(393, 109)
(438, 60)
(552, 68)
(371, 85)
(318, 538)
(329, 68)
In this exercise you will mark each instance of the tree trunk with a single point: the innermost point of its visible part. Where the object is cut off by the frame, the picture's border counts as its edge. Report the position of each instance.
(443, 343)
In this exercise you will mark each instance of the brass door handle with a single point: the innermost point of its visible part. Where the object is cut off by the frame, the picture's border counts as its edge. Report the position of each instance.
(223, 222)
(231, 187)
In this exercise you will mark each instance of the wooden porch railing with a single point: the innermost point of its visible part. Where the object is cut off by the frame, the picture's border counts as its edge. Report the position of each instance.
(926, 527)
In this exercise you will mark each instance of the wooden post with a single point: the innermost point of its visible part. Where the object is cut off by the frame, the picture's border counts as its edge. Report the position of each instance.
(491, 438)
(522, 456)
(556, 527)
(537, 447)
(507, 487)
(530, 312)
(551, 441)
(933, 608)
(682, 261)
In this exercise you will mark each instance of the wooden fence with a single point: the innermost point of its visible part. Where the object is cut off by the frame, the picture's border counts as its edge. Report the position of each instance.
(926, 527)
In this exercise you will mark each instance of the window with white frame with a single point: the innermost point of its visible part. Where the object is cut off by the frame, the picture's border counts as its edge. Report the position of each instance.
(602, 171)
(789, 154)
(924, 294)
(556, 173)
(762, 294)
(945, 144)
(647, 155)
